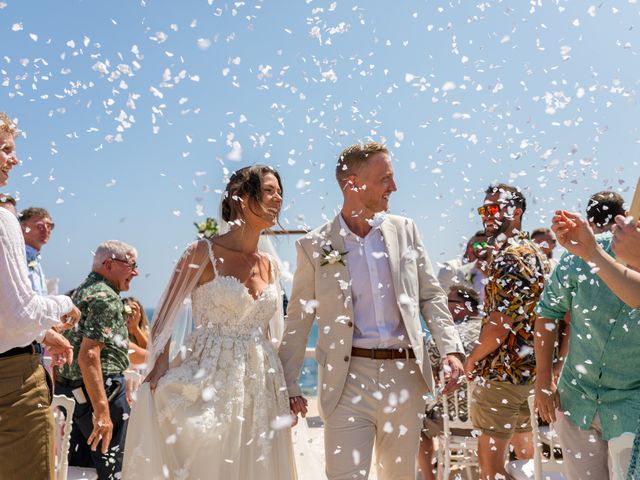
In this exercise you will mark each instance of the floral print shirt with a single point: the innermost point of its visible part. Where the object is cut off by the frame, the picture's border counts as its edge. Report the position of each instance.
(102, 319)
(516, 279)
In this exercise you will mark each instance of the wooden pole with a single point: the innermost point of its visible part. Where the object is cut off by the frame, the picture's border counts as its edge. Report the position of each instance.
(634, 211)
(635, 204)
(286, 232)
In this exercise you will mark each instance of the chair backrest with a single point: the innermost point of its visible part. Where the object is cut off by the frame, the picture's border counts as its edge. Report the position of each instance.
(617, 446)
(542, 465)
(63, 424)
(455, 407)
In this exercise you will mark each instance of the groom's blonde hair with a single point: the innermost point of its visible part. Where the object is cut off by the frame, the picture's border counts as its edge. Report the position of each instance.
(7, 125)
(355, 157)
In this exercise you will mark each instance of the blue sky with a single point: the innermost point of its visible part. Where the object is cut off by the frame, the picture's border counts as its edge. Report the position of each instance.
(134, 112)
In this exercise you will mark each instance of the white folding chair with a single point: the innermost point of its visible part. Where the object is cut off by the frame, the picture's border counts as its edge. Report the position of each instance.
(63, 420)
(456, 450)
(539, 468)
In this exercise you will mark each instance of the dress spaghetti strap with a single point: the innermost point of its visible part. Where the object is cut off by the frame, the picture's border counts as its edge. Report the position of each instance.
(212, 257)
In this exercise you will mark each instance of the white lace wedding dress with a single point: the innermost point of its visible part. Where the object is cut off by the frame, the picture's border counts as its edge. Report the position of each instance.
(221, 411)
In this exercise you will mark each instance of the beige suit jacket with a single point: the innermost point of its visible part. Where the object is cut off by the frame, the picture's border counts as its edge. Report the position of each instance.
(324, 293)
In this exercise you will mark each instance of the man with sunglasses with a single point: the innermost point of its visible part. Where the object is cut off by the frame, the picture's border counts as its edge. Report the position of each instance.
(101, 354)
(36, 227)
(504, 357)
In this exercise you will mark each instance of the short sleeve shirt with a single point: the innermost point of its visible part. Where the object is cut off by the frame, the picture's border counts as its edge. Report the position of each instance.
(102, 319)
(515, 281)
(600, 374)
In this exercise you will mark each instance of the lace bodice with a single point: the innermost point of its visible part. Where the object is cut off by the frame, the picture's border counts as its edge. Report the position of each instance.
(225, 304)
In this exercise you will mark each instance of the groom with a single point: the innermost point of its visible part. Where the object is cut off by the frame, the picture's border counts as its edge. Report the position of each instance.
(366, 278)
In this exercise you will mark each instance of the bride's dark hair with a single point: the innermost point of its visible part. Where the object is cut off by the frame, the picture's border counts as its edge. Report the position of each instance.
(246, 181)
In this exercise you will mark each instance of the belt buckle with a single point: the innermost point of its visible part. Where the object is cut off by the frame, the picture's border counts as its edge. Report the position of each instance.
(373, 354)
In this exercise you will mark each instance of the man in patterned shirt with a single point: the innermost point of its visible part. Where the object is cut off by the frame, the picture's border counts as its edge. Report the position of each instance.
(95, 378)
(504, 357)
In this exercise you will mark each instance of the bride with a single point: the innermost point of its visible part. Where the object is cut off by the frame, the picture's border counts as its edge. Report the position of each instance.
(220, 409)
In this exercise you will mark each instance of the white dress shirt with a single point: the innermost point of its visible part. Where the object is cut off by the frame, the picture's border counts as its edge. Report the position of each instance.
(24, 315)
(378, 323)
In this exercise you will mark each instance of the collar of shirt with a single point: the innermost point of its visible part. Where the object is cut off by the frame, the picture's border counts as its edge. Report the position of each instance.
(516, 239)
(32, 254)
(375, 223)
(95, 277)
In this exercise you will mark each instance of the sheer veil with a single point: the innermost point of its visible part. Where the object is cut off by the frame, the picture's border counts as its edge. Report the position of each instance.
(172, 319)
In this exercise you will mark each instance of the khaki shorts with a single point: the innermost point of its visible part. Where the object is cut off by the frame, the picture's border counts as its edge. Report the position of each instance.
(500, 409)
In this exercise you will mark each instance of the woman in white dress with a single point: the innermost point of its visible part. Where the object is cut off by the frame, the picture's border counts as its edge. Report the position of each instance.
(221, 409)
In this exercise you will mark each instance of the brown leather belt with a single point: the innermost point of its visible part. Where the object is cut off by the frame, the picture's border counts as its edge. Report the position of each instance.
(382, 353)
(35, 347)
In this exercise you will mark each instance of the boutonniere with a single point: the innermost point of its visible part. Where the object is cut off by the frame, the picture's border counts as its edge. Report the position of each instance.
(32, 264)
(332, 256)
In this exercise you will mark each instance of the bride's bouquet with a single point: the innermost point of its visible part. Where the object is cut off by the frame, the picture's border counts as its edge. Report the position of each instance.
(207, 229)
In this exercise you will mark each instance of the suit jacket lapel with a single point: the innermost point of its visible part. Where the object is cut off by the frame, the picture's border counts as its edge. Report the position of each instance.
(337, 243)
(391, 242)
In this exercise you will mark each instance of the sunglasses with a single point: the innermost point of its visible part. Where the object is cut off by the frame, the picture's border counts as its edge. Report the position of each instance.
(490, 209)
(480, 244)
(132, 265)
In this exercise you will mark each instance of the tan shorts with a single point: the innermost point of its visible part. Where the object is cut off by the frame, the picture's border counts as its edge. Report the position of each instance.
(500, 409)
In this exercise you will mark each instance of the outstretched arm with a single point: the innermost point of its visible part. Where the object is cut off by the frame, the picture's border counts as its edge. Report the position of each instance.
(574, 234)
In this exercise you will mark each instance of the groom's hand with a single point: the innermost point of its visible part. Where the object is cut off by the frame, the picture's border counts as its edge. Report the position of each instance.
(298, 405)
(453, 370)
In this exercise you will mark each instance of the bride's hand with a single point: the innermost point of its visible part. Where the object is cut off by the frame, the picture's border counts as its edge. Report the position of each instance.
(156, 374)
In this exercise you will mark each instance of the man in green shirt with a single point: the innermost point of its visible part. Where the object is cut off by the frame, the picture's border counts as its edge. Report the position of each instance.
(101, 354)
(598, 394)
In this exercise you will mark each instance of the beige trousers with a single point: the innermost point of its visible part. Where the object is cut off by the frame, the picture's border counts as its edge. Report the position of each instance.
(382, 404)
(585, 454)
(26, 423)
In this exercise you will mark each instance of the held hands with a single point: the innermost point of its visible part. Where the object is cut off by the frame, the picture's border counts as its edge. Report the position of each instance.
(102, 431)
(160, 368)
(574, 234)
(59, 347)
(298, 405)
(453, 370)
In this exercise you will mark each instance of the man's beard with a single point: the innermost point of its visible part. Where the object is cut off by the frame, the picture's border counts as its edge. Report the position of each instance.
(503, 227)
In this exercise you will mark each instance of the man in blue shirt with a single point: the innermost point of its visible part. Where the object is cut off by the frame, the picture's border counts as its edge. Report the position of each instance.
(36, 226)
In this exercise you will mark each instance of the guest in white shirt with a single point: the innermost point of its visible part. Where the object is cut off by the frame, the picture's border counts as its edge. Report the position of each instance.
(26, 429)
(8, 202)
(466, 271)
(36, 226)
